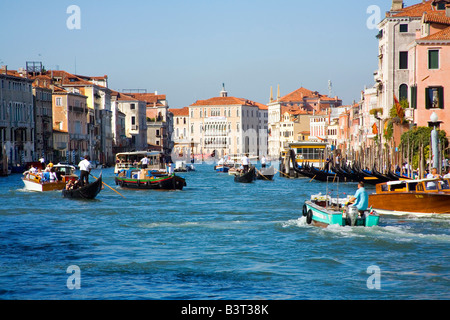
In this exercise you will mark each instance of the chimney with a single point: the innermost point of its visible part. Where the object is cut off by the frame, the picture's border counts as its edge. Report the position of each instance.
(447, 10)
(397, 5)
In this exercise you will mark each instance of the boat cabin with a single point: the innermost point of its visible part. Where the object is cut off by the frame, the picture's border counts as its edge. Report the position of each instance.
(423, 185)
(128, 160)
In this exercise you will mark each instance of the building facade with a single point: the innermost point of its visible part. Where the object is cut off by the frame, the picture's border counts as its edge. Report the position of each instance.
(226, 125)
(16, 119)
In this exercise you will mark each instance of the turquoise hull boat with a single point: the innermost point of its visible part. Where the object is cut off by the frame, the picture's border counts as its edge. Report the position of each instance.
(321, 214)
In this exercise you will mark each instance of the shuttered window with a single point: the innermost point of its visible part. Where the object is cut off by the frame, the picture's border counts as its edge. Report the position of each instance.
(433, 59)
(434, 98)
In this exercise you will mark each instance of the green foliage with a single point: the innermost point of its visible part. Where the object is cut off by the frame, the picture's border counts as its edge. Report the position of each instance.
(422, 135)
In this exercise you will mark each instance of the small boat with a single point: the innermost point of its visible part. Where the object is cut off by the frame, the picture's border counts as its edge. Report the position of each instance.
(412, 197)
(323, 211)
(35, 182)
(89, 191)
(246, 177)
(149, 179)
(265, 173)
(222, 168)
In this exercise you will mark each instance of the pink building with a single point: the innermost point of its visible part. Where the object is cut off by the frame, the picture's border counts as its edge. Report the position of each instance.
(430, 83)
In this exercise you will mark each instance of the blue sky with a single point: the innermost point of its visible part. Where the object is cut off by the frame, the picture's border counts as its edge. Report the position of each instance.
(186, 49)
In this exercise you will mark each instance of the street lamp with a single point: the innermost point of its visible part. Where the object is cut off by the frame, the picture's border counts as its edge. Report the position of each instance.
(434, 121)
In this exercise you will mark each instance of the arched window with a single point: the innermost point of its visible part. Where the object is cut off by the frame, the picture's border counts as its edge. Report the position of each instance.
(403, 92)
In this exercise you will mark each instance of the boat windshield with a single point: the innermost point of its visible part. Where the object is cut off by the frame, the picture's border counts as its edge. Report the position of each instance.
(444, 185)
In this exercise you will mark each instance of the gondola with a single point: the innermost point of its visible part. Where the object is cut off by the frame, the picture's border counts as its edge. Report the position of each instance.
(89, 191)
(265, 173)
(246, 177)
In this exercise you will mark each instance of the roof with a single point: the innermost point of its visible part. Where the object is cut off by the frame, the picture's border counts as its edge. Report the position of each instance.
(302, 93)
(415, 10)
(180, 112)
(226, 101)
(441, 35)
(150, 98)
(436, 17)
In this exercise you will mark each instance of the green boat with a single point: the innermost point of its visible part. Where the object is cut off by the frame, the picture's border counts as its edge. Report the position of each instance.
(134, 178)
(322, 210)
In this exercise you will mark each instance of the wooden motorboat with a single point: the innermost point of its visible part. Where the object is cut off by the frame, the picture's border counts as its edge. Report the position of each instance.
(36, 181)
(416, 197)
(149, 179)
(246, 177)
(89, 191)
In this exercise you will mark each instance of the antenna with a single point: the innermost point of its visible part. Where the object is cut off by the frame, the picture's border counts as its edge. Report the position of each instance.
(330, 89)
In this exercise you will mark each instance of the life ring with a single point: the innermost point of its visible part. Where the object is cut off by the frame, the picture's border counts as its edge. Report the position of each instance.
(309, 216)
(305, 210)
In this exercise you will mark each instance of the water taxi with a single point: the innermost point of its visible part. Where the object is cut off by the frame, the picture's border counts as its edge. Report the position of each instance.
(37, 181)
(412, 197)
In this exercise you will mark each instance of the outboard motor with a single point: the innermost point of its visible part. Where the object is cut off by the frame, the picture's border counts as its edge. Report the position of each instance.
(352, 215)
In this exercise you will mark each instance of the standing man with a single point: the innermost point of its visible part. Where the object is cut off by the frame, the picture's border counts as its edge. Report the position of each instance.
(263, 162)
(245, 162)
(144, 162)
(85, 169)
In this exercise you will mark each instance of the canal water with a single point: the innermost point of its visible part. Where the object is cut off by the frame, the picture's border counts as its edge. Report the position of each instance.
(214, 240)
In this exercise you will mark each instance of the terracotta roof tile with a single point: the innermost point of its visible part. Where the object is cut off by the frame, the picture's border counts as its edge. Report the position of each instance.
(179, 112)
(436, 17)
(415, 10)
(226, 101)
(441, 35)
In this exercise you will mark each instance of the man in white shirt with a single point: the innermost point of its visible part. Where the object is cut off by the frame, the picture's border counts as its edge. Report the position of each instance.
(245, 162)
(144, 162)
(263, 162)
(85, 169)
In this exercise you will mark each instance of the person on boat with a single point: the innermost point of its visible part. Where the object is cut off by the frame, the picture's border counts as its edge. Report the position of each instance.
(169, 167)
(144, 162)
(361, 199)
(53, 176)
(46, 175)
(69, 185)
(245, 162)
(431, 185)
(263, 162)
(85, 170)
(447, 176)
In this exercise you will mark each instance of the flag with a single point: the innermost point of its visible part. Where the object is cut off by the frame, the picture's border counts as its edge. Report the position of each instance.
(399, 108)
(374, 129)
(371, 211)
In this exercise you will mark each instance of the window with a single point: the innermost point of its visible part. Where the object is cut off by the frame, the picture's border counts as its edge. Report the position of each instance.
(413, 102)
(403, 92)
(58, 101)
(403, 28)
(403, 60)
(433, 59)
(133, 121)
(132, 106)
(434, 97)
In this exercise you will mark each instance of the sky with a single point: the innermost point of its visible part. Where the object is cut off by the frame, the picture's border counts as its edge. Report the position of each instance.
(186, 49)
